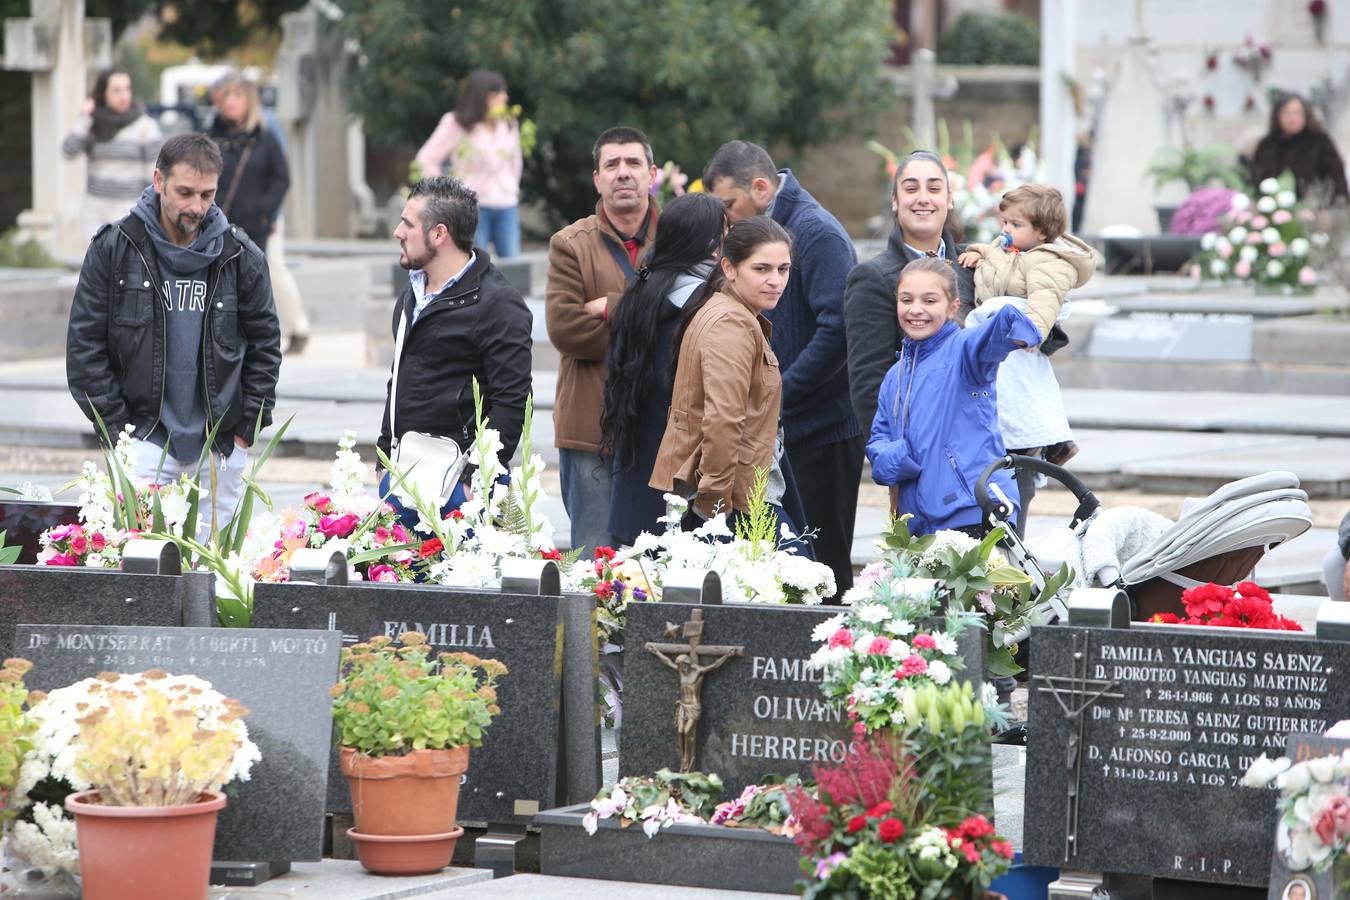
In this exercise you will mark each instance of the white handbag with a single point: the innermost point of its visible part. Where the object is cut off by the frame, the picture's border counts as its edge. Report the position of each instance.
(428, 463)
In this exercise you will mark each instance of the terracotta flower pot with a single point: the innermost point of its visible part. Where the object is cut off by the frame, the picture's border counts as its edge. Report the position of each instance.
(404, 854)
(405, 795)
(135, 852)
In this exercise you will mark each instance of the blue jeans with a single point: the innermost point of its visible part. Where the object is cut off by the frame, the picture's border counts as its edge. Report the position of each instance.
(501, 226)
(586, 489)
(408, 515)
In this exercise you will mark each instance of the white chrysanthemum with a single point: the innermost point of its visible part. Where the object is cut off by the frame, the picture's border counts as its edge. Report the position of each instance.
(900, 627)
(946, 644)
(1240, 202)
(1268, 186)
(1266, 205)
(1274, 268)
(824, 629)
(872, 613)
(857, 594)
(1248, 253)
(1217, 267)
(1207, 240)
(899, 650)
(1270, 235)
(1238, 234)
(48, 842)
(1298, 247)
(939, 671)
(1286, 199)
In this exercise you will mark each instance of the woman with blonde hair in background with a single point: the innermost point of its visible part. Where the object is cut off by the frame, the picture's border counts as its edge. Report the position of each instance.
(252, 188)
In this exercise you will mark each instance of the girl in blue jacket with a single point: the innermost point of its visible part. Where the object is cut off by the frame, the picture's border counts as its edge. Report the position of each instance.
(936, 426)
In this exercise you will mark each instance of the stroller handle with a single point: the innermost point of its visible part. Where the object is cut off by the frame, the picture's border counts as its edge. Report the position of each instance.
(995, 509)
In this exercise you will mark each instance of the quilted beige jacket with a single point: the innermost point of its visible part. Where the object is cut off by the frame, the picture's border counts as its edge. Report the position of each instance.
(1043, 275)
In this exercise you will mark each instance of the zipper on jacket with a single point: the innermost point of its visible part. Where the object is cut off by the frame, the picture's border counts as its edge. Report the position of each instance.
(206, 337)
(168, 304)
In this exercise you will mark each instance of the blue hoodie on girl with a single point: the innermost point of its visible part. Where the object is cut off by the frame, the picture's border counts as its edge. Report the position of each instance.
(936, 427)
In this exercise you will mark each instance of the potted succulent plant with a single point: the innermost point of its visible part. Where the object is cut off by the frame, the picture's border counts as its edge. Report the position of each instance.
(155, 750)
(405, 724)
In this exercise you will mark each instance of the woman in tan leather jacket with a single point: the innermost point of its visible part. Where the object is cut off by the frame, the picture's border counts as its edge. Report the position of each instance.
(727, 391)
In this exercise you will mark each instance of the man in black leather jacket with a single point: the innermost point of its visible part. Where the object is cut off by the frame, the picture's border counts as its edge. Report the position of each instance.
(462, 320)
(173, 331)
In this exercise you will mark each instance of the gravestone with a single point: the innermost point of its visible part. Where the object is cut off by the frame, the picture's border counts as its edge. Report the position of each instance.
(1139, 738)
(82, 596)
(544, 749)
(761, 711)
(281, 676)
(1317, 885)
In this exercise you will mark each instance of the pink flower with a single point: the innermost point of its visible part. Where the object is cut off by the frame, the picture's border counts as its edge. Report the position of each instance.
(381, 534)
(842, 638)
(1194, 272)
(1224, 250)
(1333, 821)
(1242, 268)
(924, 642)
(1242, 217)
(986, 601)
(914, 664)
(879, 645)
(295, 529)
(383, 573)
(871, 574)
(1254, 237)
(61, 559)
(79, 545)
(62, 532)
(400, 534)
(1259, 222)
(1281, 217)
(1306, 276)
(1306, 215)
(1278, 249)
(338, 526)
(320, 503)
(97, 541)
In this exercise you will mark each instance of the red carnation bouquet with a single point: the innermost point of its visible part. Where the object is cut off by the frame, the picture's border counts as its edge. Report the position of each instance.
(1245, 605)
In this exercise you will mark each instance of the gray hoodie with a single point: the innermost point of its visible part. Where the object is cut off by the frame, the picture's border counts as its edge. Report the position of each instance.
(182, 419)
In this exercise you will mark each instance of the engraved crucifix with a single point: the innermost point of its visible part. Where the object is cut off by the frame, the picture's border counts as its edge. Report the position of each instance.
(687, 663)
(1083, 692)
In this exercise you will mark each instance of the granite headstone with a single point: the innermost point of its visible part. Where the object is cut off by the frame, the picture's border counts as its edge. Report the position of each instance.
(762, 711)
(1140, 736)
(281, 676)
(532, 757)
(1189, 337)
(83, 596)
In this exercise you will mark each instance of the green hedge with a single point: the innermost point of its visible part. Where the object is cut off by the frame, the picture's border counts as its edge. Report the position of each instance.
(981, 39)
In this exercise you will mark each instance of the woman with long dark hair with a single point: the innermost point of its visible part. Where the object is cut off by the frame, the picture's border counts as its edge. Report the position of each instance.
(480, 139)
(1296, 142)
(726, 401)
(121, 142)
(637, 387)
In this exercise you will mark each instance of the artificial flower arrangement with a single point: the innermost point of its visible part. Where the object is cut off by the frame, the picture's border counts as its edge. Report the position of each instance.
(904, 816)
(978, 579)
(503, 519)
(115, 507)
(395, 699)
(16, 726)
(345, 518)
(92, 735)
(669, 798)
(888, 642)
(1263, 241)
(670, 183)
(1244, 605)
(1314, 806)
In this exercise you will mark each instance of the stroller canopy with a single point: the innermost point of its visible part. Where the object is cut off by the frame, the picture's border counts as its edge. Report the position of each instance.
(1260, 511)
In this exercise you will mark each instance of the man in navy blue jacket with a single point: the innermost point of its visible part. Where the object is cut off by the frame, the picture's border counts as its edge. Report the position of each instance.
(823, 440)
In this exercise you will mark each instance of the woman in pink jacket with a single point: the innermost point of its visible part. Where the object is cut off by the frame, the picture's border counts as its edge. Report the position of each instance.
(480, 142)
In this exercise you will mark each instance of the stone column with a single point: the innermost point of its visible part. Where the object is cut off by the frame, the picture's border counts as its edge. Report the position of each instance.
(57, 45)
(312, 66)
(1059, 121)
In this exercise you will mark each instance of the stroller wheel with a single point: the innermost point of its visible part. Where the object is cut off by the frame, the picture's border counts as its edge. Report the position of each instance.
(1015, 735)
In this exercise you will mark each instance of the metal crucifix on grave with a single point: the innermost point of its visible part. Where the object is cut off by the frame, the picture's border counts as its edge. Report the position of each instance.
(1075, 694)
(686, 661)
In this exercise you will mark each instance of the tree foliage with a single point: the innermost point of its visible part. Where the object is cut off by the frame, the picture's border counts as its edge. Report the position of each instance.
(691, 73)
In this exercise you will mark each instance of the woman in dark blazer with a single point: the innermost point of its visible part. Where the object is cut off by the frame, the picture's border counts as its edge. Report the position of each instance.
(255, 178)
(638, 382)
(921, 199)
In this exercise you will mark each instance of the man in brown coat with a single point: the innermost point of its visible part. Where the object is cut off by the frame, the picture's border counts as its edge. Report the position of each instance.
(590, 263)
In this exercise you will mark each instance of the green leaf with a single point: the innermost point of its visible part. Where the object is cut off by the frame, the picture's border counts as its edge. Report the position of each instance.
(1000, 663)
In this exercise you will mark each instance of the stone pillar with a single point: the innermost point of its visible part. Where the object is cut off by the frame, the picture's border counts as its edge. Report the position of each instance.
(312, 66)
(1059, 121)
(57, 45)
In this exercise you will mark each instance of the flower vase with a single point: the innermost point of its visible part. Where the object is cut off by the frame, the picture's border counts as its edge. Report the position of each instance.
(135, 852)
(417, 793)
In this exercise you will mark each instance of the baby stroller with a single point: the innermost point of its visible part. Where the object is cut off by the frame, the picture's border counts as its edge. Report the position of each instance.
(1218, 539)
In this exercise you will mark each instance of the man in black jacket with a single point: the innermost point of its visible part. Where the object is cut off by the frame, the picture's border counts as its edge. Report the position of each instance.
(461, 320)
(173, 332)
